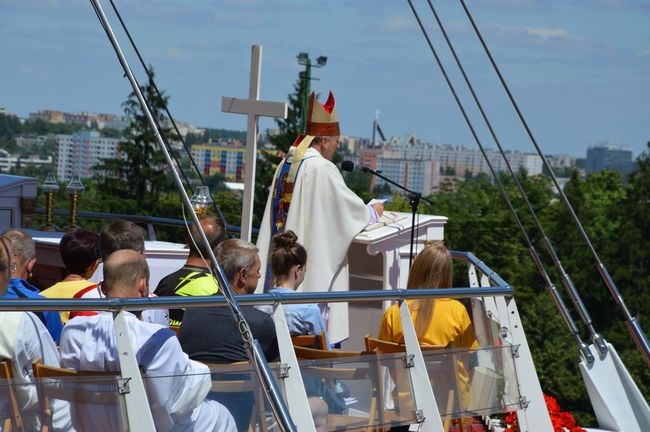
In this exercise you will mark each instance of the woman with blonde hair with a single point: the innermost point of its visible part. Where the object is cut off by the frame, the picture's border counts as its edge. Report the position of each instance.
(442, 321)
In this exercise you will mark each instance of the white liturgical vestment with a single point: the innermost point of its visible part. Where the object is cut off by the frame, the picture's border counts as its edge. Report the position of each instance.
(23, 340)
(325, 215)
(176, 385)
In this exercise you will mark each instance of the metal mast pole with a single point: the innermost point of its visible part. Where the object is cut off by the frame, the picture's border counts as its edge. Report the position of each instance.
(251, 345)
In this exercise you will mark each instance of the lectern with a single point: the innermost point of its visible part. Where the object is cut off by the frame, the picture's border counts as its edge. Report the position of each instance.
(379, 259)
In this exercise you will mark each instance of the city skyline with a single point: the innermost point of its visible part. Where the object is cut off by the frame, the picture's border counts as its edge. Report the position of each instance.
(579, 72)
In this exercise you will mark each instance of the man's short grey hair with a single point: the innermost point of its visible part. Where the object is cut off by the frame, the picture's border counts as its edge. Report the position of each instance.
(21, 243)
(236, 254)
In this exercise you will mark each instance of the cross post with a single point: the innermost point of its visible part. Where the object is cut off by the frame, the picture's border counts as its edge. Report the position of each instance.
(253, 108)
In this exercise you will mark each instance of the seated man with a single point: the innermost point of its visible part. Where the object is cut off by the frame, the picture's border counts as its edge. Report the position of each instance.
(194, 278)
(80, 253)
(24, 339)
(177, 385)
(24, 259)
(211, 334)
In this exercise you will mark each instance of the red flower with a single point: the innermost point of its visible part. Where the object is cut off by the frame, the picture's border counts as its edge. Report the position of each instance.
(562, 421)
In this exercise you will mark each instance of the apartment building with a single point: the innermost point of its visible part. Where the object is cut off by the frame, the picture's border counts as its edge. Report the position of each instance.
(609, 157)
(10, 161)
(418, 166)
(225, 157)
(80, 152)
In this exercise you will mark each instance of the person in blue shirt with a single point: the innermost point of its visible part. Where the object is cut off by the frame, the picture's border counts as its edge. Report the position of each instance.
(24, 260)
(288, 264)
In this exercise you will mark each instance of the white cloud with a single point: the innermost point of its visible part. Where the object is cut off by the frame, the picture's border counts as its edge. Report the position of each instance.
(396, 23)
(536, 34)
(548, 33)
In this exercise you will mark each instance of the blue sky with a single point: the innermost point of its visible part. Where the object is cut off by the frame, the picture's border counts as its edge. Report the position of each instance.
(579, 69)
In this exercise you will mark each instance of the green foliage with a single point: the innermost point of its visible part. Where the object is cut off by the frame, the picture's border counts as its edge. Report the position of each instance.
(560, 172)
(359, 182)
(230, 204)
(9, 126)
(31, 170)
(111, 133)
(217, 183)
(449, 171)
(42, 127)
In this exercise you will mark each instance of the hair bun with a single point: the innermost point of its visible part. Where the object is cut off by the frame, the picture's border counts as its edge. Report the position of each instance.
(287, 239)
(433, 243)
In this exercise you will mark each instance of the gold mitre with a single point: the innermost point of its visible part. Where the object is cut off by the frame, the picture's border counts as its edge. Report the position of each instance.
(322, 119)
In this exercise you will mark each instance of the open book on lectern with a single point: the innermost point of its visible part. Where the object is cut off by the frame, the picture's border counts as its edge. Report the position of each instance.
(385, 219)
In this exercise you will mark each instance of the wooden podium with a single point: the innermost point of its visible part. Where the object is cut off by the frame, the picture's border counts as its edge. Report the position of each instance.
(379, 259)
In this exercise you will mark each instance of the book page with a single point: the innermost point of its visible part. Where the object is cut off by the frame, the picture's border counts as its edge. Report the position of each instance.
(385, 219)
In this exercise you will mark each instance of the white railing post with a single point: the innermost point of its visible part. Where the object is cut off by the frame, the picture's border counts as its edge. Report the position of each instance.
(533, 415)
(296, 395)
(138, 412)
(425, 400)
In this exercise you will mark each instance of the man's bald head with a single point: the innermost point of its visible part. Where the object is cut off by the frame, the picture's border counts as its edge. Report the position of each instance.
(126, 274)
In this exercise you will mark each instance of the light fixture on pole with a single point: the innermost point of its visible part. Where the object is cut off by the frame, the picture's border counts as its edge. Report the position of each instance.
(50, 187)
(74, 188)
(201, 201)
(303, 59)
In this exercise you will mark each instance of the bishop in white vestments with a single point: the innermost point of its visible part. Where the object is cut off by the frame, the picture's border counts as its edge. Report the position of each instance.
(310, 197)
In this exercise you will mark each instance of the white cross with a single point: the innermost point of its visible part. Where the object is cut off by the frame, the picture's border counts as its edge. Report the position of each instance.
(253, 107)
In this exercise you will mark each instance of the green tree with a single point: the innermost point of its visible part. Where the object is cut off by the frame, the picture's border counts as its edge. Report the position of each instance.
(42, 127)
(9, 127)
(31, 170)
(359, 183)
(217, 183)
(141, 178)
(628, 259)
(111, 133)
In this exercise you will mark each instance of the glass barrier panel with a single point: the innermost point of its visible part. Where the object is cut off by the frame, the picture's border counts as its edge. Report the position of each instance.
(468, 383)
(91, 402)
(95, 401)
(352, 389)
(237, 387)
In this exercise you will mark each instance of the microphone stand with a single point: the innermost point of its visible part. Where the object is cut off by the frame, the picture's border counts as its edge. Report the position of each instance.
(414, 201)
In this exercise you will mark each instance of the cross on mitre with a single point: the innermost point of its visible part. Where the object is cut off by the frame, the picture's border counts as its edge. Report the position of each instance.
(253, 108)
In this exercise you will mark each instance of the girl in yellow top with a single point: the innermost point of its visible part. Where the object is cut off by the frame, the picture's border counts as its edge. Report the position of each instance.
(443, 322)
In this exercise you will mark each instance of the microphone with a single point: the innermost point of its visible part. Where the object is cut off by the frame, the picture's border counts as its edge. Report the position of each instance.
(348, 165)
